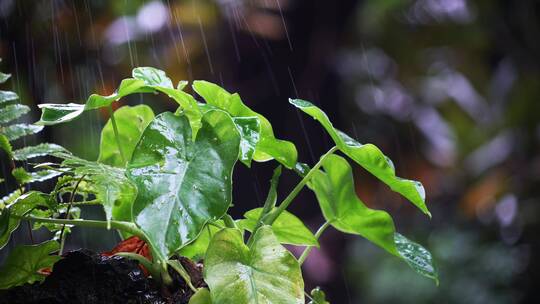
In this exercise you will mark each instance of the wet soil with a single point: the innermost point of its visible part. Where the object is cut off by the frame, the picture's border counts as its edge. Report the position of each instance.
(83, 276)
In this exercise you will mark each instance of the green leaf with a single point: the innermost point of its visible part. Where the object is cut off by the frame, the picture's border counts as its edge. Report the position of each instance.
(127, 86)
(24, 177)
(369, 157)
(6, 146)
(12, 112)
(318, 296)
(52, 114)
(268, 146)
(37, 151)
(341, 207)
(131, 122)
(249, 128)
(24, 261)
(263, 273)
(152, 77)
(109, 185)
(418, 257)
(6, 96)
(20, 206)
(202, 296)
(21, 176)
(288, 228)
(4, 221)
(4, 77)
(197, 249)
(183, 183)
(16, 131)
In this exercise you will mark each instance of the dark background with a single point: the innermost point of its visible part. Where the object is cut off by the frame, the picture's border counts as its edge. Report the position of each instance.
(449, 90)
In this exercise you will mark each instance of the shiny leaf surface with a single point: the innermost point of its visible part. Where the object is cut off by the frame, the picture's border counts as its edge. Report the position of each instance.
(268, 146)
(16, 131)
(131, 123)
(12, 112)
(369, 157)
(263, 273)
(182, 182)
(24, 262)
(318, 296)
(52, 114)
(6, 96)
(37, 151)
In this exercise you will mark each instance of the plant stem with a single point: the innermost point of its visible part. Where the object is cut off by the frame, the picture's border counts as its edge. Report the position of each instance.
(116, 135)
(309, 248)
(272, 216)
(71, 198)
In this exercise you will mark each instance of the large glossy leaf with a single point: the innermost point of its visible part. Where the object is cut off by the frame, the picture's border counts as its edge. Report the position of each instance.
(263, 273)
(109, 185)
(37, 151)
(288, 228)
(369, 157)
(20, 206)
(16, 131)
(341, 207)
(52, 114)
(181, 182)
(268, 146)
(131, 122)
(24, 261)
(12, 112)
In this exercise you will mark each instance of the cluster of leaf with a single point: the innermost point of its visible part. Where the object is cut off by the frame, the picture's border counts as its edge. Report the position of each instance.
(167, 180)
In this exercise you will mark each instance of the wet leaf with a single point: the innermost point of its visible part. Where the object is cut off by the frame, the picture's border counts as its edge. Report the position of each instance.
(37, 151)
(131, 122)
(263, 273)
(52, 114)
(24, 262)
(369, 157)
(288, 228)
(197, 249)
(318, 296)
(16, 131)
(182, 182)
(341, 207)
(268, 146)
(418, 257)
(4, 77)
(6, 96)
(12, 112)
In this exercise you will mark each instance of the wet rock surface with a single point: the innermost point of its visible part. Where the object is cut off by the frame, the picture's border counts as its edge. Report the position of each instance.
(83, 276)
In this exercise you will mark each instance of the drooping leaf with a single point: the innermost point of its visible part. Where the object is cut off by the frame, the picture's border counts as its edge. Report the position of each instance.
(202, 296)
(21, 205)
(263, 273)
(109, 185)
(418, 257)
(52, 114)
(24, 262)
(6, 96)
(16, 131)
(131, 122)
(37, 151)
(268, 146)
(288, 228)
(341, 207)
(182, 182)
(318, 296)
(12, 112)
(369, 157)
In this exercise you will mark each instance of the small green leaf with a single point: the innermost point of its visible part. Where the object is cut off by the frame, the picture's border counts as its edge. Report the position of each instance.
(182, 182)
(37, 151)
(21, 176)
(202, 296)
(263, 273)
(4, 77)
(318, 296)
(288, 228)
(418, 257)
(268, 146)
(249, 128)
(52, 114)
(131, 123)
(6, 96)
(21, 205)
(24, 261)
(12, 112)
(16, 131)
(6, 146)
(341, 207)
(369, 157)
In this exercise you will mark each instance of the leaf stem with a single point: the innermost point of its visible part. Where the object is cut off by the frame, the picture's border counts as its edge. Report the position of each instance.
(116, 134)
(272, 216)
(309, 248)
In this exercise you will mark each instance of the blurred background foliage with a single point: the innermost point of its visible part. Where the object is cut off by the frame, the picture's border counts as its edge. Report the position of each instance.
(448, 89)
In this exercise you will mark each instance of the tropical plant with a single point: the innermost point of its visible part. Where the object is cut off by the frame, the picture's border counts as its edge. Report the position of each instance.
(167, 179)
